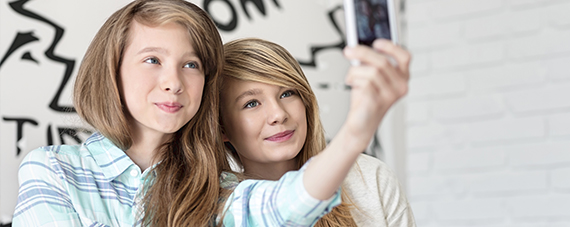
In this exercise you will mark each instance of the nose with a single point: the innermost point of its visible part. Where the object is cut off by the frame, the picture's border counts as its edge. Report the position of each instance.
(171, 82)
(276, 114)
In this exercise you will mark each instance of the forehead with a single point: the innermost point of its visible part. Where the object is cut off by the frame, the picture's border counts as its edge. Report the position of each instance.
(239, 84)
(233, 88)
(169, 34)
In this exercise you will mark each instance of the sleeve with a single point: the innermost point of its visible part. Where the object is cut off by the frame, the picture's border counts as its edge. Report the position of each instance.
(276, 203)
(377, 195)
(42, 198)
(398, 210)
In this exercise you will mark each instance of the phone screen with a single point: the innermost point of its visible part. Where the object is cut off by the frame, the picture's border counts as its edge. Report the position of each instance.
(372, 20)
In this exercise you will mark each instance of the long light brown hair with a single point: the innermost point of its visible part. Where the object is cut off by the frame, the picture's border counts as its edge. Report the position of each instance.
(184, 187)
(262, 61)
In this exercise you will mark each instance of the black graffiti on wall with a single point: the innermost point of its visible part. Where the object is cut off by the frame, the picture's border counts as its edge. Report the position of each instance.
(315, 49)
(21, 40)
(232, 24)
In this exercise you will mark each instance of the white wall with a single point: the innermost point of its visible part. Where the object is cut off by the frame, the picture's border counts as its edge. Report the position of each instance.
(488, 113)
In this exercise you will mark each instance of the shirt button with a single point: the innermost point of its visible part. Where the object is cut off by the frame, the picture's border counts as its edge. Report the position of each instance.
(134, 173)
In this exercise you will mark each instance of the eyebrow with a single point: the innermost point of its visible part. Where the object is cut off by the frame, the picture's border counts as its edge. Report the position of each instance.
(153, 49)
(164, 51)
(250, 92)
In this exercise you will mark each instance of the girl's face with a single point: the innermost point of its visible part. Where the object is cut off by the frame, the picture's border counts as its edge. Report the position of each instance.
(162, 78)
(265, 123)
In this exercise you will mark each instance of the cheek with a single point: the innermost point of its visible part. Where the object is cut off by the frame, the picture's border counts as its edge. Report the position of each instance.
(195, 86)
(243, 128)
(125, 87)
(303, 123)
(302, 119)
(133, 90)
(230, 125)
(300, 113)
(133, 82)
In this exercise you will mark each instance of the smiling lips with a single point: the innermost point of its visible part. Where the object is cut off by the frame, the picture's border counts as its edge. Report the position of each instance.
(282, 136)
(169, 107)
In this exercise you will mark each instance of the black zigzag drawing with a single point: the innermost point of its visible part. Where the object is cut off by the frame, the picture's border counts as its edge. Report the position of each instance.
(22, 39)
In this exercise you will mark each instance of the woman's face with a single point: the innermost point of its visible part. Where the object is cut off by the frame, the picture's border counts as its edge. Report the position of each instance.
(265, 123)
(161, 78)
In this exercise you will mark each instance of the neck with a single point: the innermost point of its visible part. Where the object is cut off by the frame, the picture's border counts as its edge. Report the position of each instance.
(145, 146)
(269, 171)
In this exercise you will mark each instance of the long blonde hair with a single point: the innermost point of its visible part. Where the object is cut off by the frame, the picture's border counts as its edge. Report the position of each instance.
(184, 189)
(262, 61)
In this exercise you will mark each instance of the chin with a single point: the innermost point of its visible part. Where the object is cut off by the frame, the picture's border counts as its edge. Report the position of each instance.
(287, 156)
(170, 130)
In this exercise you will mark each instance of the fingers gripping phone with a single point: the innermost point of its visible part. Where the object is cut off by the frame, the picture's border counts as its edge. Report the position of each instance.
(367, 20)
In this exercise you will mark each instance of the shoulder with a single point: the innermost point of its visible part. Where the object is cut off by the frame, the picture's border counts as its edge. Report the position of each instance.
(372, 173)
(56, 159)
(368, 168)
(45, 161)
(370, 177)
(96, 144)
(44, 193)
(376, 192)
(48, 154)
(369, 162)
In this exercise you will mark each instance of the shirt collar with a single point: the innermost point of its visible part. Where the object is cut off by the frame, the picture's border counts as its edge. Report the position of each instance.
(111, 159)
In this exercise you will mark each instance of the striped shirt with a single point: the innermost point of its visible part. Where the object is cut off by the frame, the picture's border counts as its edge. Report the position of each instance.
(93, 184)
(273, 203)
(97, 184)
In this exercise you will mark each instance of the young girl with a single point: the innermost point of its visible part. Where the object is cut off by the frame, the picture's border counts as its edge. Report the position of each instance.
(147, 85)
(270, 118)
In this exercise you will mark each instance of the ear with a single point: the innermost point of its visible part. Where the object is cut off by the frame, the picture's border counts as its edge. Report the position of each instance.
(224, 137)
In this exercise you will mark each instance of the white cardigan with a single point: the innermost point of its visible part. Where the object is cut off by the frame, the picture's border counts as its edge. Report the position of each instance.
(377, 195)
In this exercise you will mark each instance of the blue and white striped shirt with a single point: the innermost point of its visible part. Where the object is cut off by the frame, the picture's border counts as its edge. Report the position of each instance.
(94, 184)
(97, 184)
(285, 202)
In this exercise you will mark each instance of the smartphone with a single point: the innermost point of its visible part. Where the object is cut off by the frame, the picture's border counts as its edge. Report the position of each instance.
(367, 20)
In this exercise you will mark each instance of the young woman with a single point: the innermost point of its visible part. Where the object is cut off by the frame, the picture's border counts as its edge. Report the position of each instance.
(270, 118)
(147, 85)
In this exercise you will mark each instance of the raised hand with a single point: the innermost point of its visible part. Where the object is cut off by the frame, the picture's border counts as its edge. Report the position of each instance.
(377, 83)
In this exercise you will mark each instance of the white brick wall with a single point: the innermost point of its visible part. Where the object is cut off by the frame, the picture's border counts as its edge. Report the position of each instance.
(488, 113)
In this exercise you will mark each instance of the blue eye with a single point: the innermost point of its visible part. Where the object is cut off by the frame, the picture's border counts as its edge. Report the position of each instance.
(192, 65)
(287, 94)
(152, 60)
(251, 104)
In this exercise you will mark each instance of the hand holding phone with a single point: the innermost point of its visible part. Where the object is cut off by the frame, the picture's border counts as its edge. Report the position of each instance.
(368, 20)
